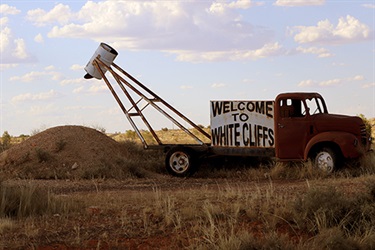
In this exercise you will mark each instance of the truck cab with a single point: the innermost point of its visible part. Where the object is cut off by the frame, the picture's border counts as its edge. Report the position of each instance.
(304, 129)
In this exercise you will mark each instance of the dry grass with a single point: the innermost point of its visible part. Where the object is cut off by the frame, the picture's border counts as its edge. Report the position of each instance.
(241, 204)
(263, 215)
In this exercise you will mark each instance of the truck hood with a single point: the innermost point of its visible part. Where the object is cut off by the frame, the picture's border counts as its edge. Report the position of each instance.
(334, 122)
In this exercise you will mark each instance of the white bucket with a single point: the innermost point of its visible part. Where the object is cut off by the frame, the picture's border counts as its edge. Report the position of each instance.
(106, 54)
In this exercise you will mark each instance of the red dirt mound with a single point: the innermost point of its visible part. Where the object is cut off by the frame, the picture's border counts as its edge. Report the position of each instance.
(65, 152)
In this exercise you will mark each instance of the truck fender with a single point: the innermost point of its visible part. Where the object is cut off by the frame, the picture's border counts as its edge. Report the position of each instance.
(347, 143)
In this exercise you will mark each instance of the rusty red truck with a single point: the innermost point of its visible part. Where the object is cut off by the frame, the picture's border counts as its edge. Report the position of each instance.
(294, 126)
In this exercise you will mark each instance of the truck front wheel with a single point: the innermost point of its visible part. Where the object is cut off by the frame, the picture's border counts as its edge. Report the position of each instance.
(326, 160)
(180, 161)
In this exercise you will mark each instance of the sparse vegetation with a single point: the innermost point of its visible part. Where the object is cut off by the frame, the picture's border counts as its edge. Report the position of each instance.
(128, 201)
(5, 141)
(29, 200)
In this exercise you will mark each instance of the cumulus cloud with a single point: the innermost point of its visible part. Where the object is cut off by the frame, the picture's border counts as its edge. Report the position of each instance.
(348, 29)
(306, 83)
(268, 50)
(172, 26)
(80, 80)
(320, 52)
(13, 50)
(37, 75)
(185, 87)
(8, 10)
(218, 85)
(293, 3)
(77, 67)
(60, 13)
(330, 82)
(369, 6)
(39, 38)
(52, 94)
(368, 85)
(95, 88)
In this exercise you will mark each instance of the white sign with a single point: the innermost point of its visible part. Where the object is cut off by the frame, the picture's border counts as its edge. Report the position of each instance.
(242, 123)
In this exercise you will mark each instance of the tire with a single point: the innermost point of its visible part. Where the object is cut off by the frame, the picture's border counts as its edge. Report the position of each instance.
(180, 161)
(326, 160)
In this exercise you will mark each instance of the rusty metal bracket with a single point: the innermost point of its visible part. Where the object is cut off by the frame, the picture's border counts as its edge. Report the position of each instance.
(133, 86)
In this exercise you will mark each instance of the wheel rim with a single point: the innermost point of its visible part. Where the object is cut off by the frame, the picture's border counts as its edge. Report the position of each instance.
(324, 161)
(179, 162)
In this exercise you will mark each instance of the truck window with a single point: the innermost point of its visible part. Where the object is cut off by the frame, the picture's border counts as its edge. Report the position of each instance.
(315, 106)
(291, 108)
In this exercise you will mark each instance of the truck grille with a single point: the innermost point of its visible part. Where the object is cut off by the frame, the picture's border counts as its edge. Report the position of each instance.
(364, 135)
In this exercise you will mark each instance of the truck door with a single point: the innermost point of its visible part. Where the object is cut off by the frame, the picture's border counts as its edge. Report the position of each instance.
(291, 128)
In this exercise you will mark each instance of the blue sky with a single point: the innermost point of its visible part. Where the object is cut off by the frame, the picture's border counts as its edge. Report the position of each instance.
(188, 52)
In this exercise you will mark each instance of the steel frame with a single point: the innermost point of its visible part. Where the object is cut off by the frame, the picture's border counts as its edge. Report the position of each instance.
(135, 110)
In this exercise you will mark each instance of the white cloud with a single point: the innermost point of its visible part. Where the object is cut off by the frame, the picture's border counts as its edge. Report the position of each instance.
(3, 21)
(8, 10)
(306, 83)
(348, 29)
(36, 97)
(73, 81)
(321, 52)
(268, 50)
(369, 6)
(169, 26)
(96, 87)
(50, 67)
(186, 87)
(356, 78)
(331, 82)
(218, 85)
(368, 85)
(77, 67)
(13, 50)
(293, 3)
(7, 66)
(20, 49)
(60, 13)
(39, 38)
(37, 75)
(221, 7)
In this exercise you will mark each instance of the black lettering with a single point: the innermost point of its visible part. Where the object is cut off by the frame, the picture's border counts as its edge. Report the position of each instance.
(235, 116)
(230, 134)
(252, 135)
(236, 134)
(265, 136)
(259, 107)
(232, 108)
(259, 134)
(244, 117)
(217, 108)
(271, 140)
(250, 106)
(222, 136)
(245, 134)
(269, 109)
(241, 106)
(226, 107)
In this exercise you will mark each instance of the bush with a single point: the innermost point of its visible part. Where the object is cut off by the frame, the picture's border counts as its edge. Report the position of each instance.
(326, 208)
(25, 201)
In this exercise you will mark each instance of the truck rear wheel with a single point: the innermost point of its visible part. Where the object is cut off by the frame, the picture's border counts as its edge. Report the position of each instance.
(180, 161)
(326, 160)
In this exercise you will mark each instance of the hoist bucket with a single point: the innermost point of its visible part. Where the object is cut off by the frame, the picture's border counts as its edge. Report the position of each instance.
(106, 54)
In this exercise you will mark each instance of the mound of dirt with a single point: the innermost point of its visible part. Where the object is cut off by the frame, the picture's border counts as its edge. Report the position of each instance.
(65, 152)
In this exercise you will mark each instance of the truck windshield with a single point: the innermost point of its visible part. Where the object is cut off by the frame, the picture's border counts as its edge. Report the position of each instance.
(315, 106)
